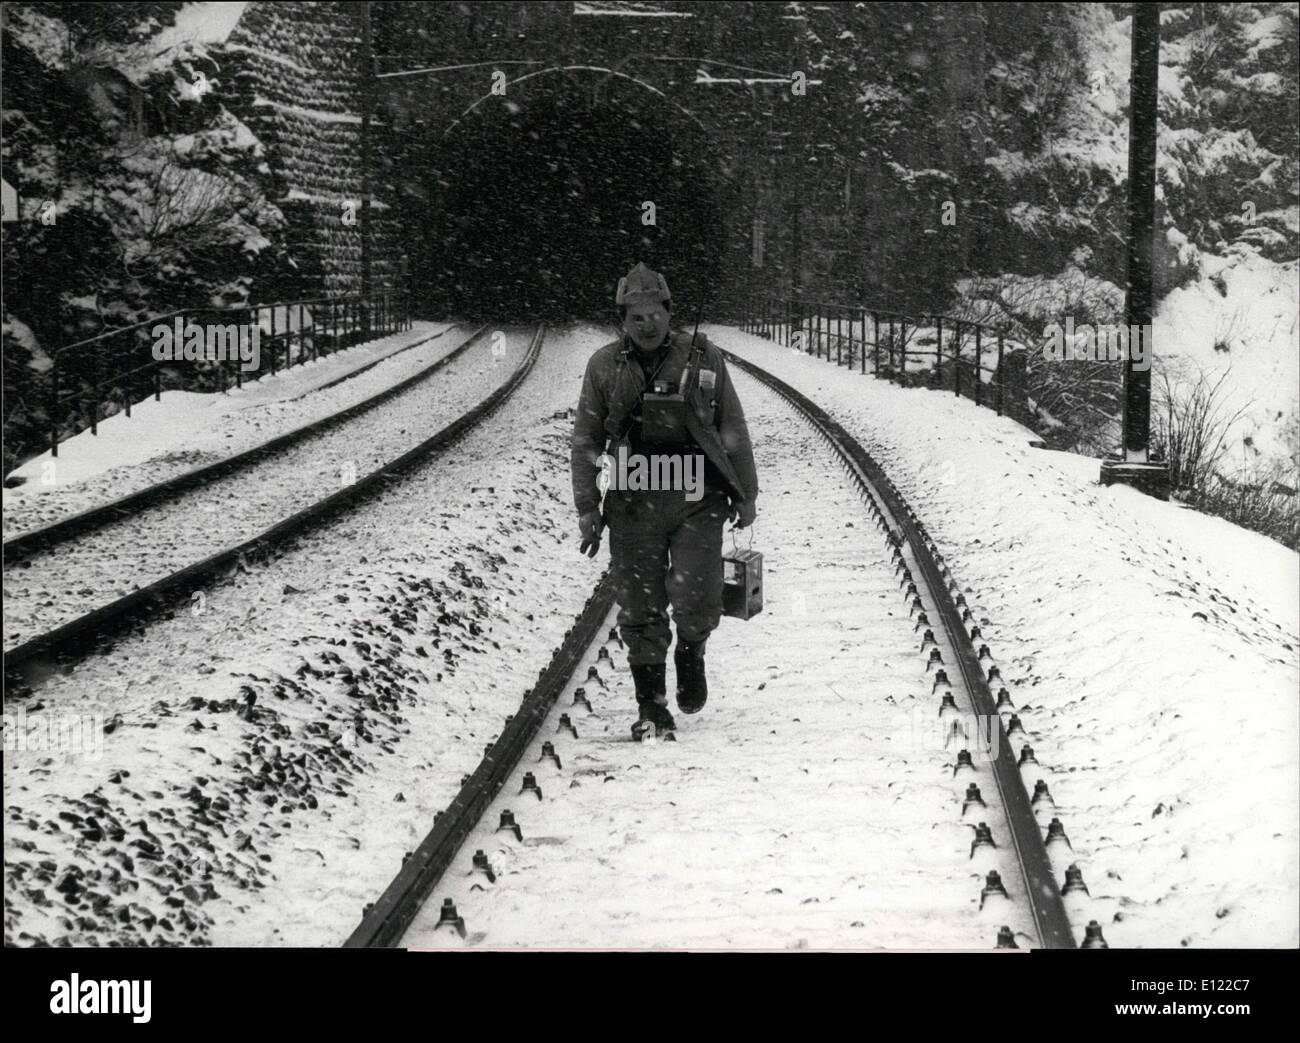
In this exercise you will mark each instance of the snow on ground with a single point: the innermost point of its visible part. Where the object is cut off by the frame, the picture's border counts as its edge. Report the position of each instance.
(1151, 650)
(811, 804)
(187, 429)
(1241, 317)
(277, 753)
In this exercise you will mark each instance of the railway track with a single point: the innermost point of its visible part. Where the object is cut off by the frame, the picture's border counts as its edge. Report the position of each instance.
(26, 545)
(36, 657)
(914, 549)
(987, 782)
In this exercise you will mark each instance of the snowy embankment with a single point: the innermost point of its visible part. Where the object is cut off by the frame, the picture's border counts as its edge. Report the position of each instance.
(1152, 652)
(188, 429)
(1238, 321)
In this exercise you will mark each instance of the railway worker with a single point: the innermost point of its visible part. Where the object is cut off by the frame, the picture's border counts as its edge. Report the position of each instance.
(658, 404)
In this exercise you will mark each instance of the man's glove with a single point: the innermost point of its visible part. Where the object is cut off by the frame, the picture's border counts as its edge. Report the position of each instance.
(591, 524)
(743, 513)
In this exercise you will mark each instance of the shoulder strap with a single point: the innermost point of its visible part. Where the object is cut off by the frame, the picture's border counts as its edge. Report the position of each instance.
(615, 436)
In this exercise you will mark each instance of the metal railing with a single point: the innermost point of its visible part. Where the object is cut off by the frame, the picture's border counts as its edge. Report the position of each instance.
(95, 378)
(937, 351)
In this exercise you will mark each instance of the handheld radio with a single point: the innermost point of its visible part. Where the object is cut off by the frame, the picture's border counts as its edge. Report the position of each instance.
(663, 410)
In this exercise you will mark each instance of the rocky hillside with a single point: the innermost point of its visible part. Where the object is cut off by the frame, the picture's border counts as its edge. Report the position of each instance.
(201, 153)
(141, 192)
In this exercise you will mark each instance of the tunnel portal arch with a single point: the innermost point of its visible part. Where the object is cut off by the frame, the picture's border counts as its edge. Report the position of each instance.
(536, 200)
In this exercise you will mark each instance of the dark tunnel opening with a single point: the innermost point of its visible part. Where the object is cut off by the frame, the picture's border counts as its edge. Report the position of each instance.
(535, 210)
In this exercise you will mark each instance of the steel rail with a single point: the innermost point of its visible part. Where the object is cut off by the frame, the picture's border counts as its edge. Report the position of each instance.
(1046, 905)
(386, 920)
(28, 662)
(22, 546)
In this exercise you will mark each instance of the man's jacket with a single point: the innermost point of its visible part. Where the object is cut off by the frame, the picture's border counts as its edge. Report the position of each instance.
(612, 387)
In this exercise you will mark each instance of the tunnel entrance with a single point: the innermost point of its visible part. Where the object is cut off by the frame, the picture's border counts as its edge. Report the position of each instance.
(537, 203)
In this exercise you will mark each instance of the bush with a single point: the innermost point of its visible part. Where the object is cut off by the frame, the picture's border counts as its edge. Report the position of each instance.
(1190, 425)
(1260, 503)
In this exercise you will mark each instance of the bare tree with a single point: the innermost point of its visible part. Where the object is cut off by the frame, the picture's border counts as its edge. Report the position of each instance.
(177, 214)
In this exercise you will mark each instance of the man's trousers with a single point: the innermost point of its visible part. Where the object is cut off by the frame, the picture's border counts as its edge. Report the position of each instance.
(665, 549)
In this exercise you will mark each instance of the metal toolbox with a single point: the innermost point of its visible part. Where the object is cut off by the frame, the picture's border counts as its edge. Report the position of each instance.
(742, 583)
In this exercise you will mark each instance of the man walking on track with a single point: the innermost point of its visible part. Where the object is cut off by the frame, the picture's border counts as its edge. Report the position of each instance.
(661, 454)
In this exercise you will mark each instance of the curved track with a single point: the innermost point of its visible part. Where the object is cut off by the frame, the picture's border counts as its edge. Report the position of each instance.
(913, 546)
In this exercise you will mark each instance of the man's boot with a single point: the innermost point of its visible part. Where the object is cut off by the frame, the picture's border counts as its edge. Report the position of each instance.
(651, 700)
(692, 688)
